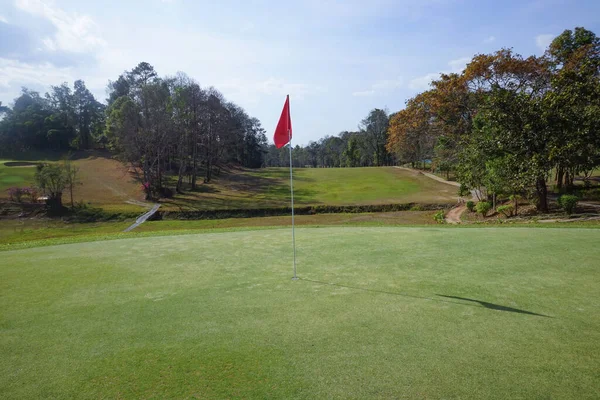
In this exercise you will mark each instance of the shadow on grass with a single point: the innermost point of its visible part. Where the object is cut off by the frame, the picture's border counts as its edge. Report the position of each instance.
(493, 306)
(483, 303)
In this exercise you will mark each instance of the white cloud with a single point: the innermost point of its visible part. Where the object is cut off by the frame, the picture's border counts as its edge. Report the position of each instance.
(423, 82)
(490, 39)
(74, 33)
(252, 91)
(3, 19)
(364, 93)
(544, 40)
(459, 64)
(388, 84)
(380, 86)
(16, 73)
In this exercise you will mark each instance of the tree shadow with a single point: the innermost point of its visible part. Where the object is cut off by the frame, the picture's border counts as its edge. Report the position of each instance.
(497, 307)
(482, 303)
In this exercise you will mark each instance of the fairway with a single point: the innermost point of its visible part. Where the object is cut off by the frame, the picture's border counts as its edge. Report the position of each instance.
(11, 176)
(269, 187)
(378, 312)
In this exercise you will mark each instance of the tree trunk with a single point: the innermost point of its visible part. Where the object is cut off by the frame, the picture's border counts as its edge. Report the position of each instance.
(542, 193)
(194, 165)
(71, 192)
(208, 171)
(516, 205)
(54, 204)
(180, 175)
(559, 178)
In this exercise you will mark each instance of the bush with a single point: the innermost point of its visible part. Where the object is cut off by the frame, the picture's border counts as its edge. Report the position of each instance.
(568, 202)
(471, 205)
(507, 210)
(165, 193)
(483, 207)
(463, 190)
(19, 194)
(439, 217)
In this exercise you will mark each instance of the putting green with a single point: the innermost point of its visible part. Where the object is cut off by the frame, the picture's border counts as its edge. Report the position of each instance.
(378, 313)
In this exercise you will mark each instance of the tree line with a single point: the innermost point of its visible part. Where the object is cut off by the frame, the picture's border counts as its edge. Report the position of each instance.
(501, 126)
(506, 122)
(365, 147)
(170, 129)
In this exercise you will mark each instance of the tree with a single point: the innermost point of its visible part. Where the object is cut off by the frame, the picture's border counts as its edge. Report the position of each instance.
(374, 129)
(71, 174)
(573, 103)
(89, 116)
(352, 153)
(510, 122)
(411, 132)
(52, 180)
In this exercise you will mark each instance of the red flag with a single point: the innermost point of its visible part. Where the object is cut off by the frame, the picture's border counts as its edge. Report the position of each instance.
(283, 132)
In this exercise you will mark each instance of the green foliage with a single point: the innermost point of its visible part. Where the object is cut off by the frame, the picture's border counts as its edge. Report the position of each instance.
(507, 210)
(568, 202)
(471, 205)
(483, 207)
(439, 217)
(51, 179)
(463, 190)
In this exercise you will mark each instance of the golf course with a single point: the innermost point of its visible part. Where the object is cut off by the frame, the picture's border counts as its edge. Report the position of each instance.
(377, 312)
(300, 200)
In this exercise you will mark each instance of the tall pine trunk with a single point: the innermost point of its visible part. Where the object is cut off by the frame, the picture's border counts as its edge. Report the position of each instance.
(542, 194)
(559, 178)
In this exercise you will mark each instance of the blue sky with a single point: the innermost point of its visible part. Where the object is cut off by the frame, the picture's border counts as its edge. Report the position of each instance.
(337, 59)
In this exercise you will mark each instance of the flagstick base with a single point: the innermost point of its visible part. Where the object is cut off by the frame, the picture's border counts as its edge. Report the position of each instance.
(295, 278)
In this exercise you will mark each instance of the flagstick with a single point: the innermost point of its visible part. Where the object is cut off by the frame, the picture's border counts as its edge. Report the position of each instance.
(295, 278)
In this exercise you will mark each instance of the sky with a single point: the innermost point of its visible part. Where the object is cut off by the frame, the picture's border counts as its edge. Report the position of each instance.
(337, 59)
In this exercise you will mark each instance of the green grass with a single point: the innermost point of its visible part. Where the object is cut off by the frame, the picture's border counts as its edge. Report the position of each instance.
(312, 186)
(18, 176)
(216, 315)
(112, 186)
(31, 232)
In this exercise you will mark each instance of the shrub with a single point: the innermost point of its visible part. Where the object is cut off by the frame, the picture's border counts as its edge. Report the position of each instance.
(483, 207)
(463, 190)
(439, 217)
(568, 202)
(507, 210)
(19, 194)
(471, 205)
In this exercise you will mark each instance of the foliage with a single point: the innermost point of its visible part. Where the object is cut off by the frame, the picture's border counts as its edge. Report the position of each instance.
(440, 217)
(374, 129)
(18, 194)
(61, 120)
(463, 190)
(160, 125)
(568, 202)
(52, 180)
(506, 121)
(507, 210)
(471, 205)
(71, 173)
(483, 207)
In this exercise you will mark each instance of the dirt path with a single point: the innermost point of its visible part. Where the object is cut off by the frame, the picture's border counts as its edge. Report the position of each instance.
(453, 216)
